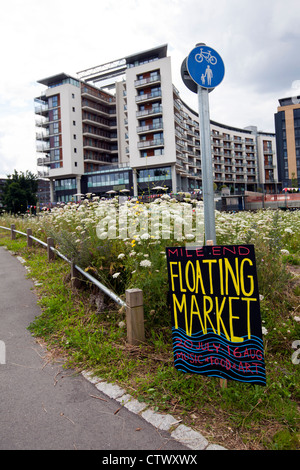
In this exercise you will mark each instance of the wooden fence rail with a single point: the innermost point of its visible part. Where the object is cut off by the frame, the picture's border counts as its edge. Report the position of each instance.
(134, 297)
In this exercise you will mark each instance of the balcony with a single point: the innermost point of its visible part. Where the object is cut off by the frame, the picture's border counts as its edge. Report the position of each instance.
(42, 135)
(41, 109)
(43, 161)
(103, 159)
(269, 166)
(146, 81)
(150, 112)
(97, 95)
(150, 127)
(94, 132)
(43, 174)
(97, 146)
(148, 96)
(98, 108)
(97, 121)
(150, 143)
(45, 147)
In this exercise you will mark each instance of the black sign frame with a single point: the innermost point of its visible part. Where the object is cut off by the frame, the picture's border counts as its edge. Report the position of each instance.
(215, 309)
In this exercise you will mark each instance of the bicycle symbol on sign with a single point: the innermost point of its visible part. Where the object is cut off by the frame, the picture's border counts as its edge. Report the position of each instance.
(211, 59)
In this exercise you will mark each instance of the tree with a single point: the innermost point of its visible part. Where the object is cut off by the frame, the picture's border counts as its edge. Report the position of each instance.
(294, 181)
(20, 191)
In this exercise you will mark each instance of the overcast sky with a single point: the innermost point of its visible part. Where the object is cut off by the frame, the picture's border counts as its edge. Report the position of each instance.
(259, 41)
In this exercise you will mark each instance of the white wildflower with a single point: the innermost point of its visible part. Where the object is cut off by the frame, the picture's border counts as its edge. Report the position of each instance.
(121, 256)
(264, 330)
(145, 263)
(103, 235)
(145, 236)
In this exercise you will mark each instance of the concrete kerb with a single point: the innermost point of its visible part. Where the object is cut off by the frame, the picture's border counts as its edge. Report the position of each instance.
(181, 433)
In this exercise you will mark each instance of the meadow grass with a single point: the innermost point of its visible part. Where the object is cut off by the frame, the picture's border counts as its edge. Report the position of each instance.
(88, 330)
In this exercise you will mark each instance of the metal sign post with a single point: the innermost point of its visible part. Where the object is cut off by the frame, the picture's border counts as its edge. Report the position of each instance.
(207, 169)
(201, 72)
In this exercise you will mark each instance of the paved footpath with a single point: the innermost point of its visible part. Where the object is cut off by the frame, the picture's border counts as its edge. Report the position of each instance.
(45, 407)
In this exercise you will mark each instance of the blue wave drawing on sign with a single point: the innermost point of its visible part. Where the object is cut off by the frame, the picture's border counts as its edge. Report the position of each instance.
(215, 355)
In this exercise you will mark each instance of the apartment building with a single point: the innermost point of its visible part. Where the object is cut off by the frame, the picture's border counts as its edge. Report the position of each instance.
(122, 126)
(267, 163)
(287, 128)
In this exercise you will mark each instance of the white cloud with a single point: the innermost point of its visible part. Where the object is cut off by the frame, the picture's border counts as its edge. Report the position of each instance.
(17, 142)
(258, 41)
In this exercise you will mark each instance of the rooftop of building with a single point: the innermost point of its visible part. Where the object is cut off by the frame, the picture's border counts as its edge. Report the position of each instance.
(292, 100)
(118, 67)
(56, 79)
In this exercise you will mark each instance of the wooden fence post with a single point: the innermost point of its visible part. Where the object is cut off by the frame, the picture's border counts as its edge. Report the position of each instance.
(29, 239)
(135, 316)
(50, 253)
(13, 233)
(75, 276)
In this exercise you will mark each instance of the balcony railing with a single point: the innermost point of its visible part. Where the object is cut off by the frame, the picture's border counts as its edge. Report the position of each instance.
(148, 112)
(41, 109)
(43, 161)
(43, 148)
(145, 81)
(148, 96)
(151, 143)
(150, 127)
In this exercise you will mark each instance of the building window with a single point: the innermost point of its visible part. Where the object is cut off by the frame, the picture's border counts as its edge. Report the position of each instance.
(55, 155)
(73, 109)
(65, 184)
(56, 141)
(53, 115)
(53, 101)
(154, 174)
(55, 127)
(53, 166)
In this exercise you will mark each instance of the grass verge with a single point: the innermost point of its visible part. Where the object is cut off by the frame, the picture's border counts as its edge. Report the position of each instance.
(86, 329)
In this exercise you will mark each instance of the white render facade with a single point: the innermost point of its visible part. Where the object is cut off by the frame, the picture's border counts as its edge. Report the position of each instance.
(133, 132)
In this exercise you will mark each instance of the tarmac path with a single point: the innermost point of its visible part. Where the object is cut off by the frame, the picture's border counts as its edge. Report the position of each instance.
(42, 405)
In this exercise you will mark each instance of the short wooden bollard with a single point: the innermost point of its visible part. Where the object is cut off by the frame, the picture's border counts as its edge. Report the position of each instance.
(75, 277)
(50, 252)
(13, 233)
(135, 316)
(29, 239)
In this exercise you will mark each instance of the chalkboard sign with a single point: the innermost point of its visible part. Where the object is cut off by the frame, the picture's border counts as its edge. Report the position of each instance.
(216, 324)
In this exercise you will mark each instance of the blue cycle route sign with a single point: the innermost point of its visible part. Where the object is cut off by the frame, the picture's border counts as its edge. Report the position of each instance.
(205, 66)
